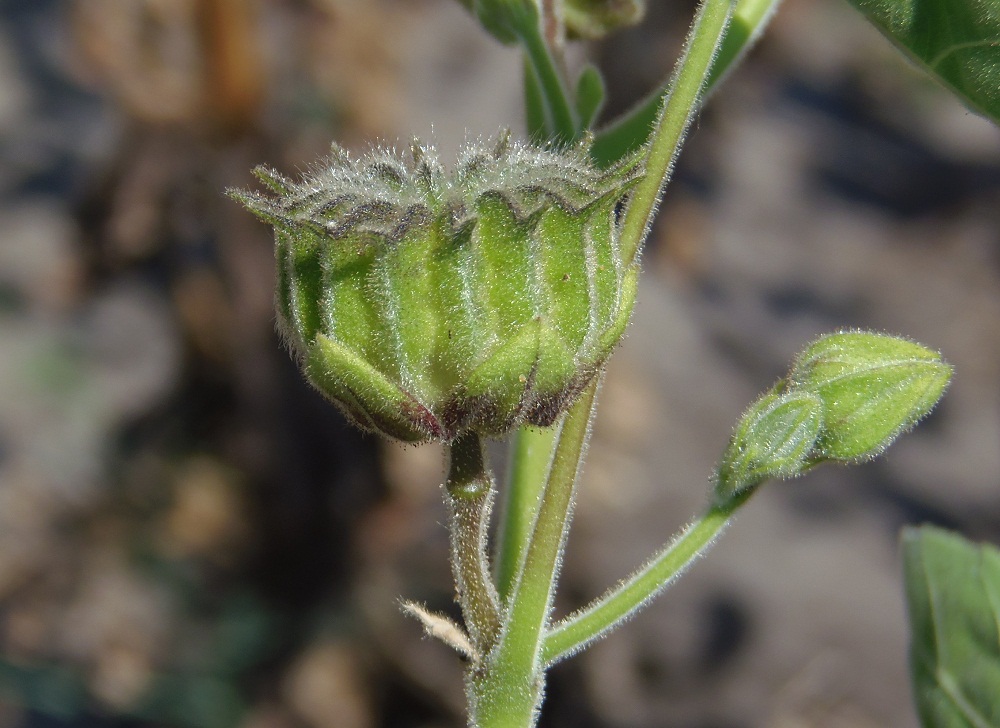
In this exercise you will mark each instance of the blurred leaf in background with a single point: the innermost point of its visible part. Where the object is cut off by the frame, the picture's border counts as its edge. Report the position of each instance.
(953, 591)
(957, 41)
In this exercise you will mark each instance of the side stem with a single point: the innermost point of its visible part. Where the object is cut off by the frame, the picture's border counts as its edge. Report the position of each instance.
(469, 490)
(560, 114)
(593, 622)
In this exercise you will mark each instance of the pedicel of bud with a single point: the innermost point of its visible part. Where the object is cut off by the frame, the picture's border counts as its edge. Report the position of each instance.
(592, 19)
(773, 439)
(427, 305)
(873, 387)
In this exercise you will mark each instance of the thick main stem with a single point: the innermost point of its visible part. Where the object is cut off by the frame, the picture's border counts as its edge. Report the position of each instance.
(508, 692)
(679, 108)
(631, 131)
(506, 687)
(469, 490)
(531, 456)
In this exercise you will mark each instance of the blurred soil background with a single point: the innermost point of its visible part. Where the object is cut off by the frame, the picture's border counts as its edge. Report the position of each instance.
(190, 537)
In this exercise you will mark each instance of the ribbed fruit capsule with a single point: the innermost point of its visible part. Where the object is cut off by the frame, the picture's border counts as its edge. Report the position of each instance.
(427, 305)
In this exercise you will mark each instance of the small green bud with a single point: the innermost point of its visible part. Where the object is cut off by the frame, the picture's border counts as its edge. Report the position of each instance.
(593, 19)
(873, 388)
(427, 305)
(773, 439)
(847, 397)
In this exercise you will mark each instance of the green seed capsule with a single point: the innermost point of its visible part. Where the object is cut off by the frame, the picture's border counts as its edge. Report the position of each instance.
(427, 305)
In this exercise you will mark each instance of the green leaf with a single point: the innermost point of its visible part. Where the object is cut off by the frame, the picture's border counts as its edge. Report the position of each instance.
(627, 133)
(874, 387)
(953, 593)
(589, 95)
(958, 41)
(773, 439)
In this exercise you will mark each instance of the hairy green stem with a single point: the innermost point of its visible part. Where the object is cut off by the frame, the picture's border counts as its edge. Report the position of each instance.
(578, 630)
(469, 490)
(630, 131)
(560, 114)
(506, 687)
(530, 458)
(679, 108)
(508, 692)
(750, 17)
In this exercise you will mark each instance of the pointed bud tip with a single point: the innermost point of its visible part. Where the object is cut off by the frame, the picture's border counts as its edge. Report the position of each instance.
(874, 387)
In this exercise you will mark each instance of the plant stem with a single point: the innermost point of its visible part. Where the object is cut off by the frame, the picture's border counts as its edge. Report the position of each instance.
(559, 109)
(469, 489)
(750, 17)
(535, 111)
(679, 108)
(507, 694)
(631, 130)
(531, 456)
(506, 686)
(579, 629)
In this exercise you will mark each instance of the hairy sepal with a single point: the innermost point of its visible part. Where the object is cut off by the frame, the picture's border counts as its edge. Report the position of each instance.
(429, 303)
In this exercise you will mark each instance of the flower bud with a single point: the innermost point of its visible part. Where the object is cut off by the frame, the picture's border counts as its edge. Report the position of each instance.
(427, 305)
(847, 397)
(773, 439)
(592, 19)
(873, 388)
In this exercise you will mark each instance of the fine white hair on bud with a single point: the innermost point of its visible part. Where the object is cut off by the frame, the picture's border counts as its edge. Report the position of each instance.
(848, 396)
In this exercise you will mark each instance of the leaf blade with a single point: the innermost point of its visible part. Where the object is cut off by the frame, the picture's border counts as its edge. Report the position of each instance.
(590, 93)
(953, 594)
(956, 41)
